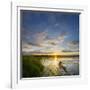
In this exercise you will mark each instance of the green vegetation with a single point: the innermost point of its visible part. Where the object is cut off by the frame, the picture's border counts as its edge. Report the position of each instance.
(31, 66)
(34, 66)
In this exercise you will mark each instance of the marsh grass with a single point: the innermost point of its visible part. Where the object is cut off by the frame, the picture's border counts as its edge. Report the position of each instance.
(43, 66)
(31, 66)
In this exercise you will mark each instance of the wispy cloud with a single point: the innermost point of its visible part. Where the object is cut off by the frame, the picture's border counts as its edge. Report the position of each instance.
(43, 42)
(35, 39)
(73, 45)
(48, 32)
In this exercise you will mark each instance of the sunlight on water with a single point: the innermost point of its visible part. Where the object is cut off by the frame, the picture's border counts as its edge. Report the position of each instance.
(51, 66)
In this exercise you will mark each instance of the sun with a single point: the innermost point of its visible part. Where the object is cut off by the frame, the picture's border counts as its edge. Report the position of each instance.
(55, 57)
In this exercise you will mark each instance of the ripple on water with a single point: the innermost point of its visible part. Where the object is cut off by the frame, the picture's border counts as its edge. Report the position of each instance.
(51, 67)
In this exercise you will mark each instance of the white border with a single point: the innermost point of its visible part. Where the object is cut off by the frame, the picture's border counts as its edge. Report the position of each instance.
(15, 62)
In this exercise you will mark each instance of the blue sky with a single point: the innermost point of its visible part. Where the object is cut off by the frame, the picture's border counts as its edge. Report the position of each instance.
(44, 32)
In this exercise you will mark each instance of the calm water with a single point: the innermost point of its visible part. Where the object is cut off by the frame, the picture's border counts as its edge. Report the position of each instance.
(51, 66)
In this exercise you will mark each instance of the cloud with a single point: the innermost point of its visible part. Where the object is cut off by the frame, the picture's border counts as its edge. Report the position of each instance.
(42, 41)
(39, 38)
(73, 45)
(62, 36)
(34, 38)
(67, 51)
(52, 43)
(58, 39)
(25, 45)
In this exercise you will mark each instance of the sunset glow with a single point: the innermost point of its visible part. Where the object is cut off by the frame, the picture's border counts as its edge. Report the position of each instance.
(49, 43)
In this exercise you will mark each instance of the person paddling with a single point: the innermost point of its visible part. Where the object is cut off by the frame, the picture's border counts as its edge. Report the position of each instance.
(62, 67)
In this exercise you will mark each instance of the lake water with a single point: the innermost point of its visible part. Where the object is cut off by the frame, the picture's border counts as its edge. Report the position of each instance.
(52, 68)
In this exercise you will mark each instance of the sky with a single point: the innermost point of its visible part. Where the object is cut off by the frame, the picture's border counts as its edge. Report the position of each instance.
(45, 32)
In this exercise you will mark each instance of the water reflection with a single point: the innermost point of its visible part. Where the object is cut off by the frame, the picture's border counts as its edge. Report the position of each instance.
(60, 66)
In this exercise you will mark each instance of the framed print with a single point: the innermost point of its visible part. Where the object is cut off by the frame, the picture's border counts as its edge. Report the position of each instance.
(46, 44)
(49, 43)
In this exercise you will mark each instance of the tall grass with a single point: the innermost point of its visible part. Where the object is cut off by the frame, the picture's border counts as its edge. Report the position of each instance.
(31, 66)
